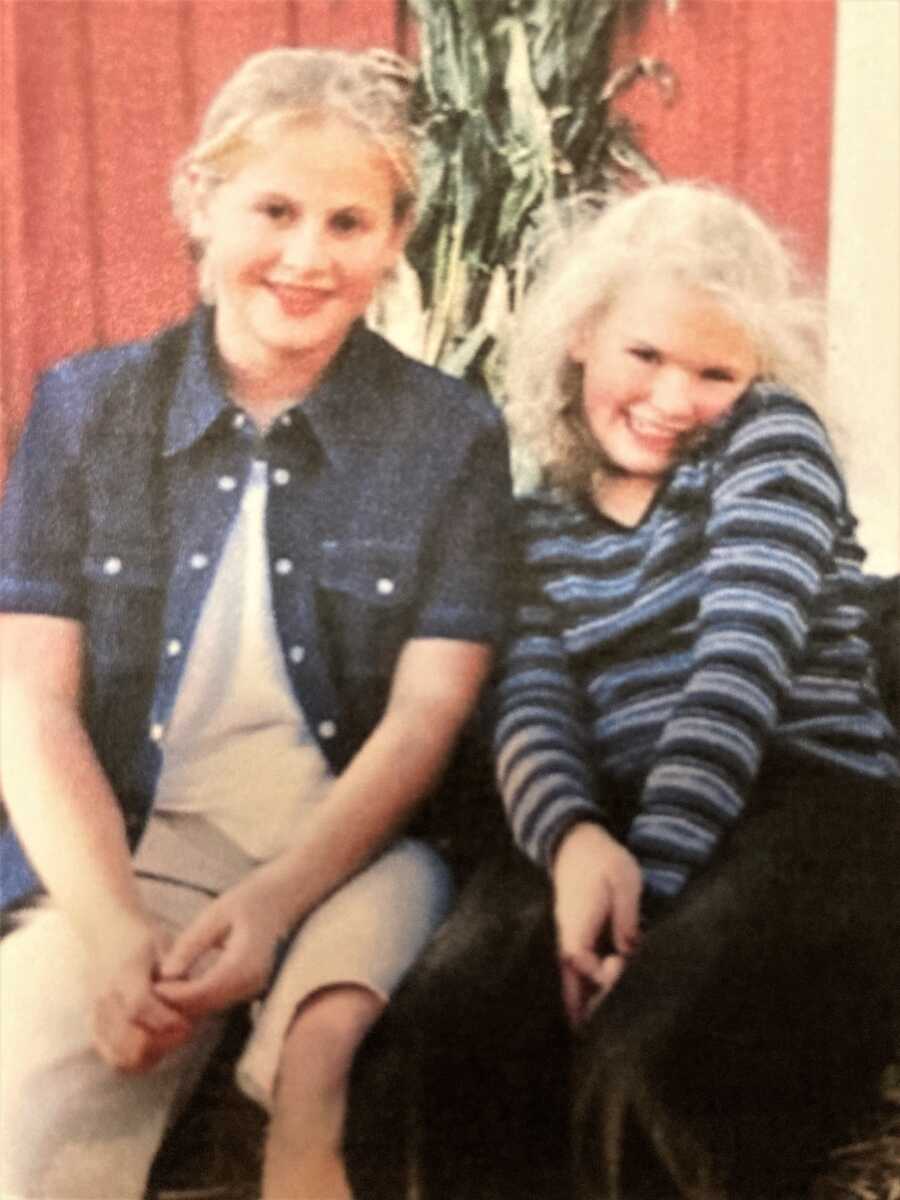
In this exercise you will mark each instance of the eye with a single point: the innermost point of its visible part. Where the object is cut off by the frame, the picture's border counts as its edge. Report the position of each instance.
(647, 354)
(277, 211)
(346, 221)
(718, 375)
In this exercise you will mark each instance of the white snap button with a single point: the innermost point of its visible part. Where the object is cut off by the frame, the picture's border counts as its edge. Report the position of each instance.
(239, 420)
(199, 561)
(283, 566)
(156, 732)
(112, 565)
(227, 483)
(296, 654)
(281, 476)
(285, 419)
(173, 647)
(384, 587)
(327, 729)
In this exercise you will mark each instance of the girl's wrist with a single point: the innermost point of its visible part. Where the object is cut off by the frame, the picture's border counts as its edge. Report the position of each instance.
(582, 834)
(112, 917)
(277, 890)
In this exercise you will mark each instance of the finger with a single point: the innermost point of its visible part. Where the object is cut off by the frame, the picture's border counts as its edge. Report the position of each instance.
(572, 993)
(128, 1047)
(587, 964)
(613, 966)
(141, 1054)
(120, 1044)
(611, 972)
(164, 1043)
(159, 1017)
(207, 932)
(626, 920)
(217, 988)
(131, 987)
(582, 976)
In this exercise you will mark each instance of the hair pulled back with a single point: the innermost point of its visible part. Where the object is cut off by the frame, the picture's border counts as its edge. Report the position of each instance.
(370, 89)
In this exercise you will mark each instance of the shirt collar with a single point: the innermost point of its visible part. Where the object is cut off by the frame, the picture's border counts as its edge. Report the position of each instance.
(199, 397)
(346, 408)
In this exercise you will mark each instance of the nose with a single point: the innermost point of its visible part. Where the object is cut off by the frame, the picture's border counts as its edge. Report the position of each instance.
(671, 393)
(305, 250)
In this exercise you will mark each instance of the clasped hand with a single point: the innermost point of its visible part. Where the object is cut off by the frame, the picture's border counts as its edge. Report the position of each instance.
(597, 890)
(132, 1026)
(226, 954)
(152, 990)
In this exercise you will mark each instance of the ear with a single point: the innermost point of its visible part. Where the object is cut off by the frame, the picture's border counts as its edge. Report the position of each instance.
(394, 250)
(402, 229)
(578, 342)
(201, 189)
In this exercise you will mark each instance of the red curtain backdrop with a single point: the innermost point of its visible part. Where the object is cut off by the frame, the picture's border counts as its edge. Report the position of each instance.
(99, 97)
(752, 106)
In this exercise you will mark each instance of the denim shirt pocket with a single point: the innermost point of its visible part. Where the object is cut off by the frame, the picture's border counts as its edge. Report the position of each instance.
(123, 597)
(123, 615)
(367, 592)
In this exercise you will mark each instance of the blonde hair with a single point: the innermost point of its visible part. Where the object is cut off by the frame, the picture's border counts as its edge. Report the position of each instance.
(694, 234)
(370, 89)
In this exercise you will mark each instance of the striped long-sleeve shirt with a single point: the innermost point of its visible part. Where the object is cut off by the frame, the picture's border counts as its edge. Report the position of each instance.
(671, 657)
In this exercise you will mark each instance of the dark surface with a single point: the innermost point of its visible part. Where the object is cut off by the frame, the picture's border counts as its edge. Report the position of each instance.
(750, 1030)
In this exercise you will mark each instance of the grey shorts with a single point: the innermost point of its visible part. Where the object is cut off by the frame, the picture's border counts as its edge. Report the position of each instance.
(368, 932)
(70, 1125)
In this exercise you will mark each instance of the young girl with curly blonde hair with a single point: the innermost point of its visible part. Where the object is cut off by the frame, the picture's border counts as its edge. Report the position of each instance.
(690, 742)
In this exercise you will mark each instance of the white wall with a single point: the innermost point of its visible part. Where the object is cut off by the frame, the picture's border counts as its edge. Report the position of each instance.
(864, 269)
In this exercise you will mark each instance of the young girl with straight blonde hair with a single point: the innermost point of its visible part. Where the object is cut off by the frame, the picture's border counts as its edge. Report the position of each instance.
(251, 581)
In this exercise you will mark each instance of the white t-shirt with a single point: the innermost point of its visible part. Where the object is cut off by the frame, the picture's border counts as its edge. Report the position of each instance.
(238, 750)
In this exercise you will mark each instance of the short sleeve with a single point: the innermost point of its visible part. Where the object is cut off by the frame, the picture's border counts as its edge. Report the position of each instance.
(466, 564)
(42, 511)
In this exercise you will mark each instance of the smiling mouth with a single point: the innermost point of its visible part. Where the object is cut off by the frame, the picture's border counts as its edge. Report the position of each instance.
(661, 437)
(298, 301)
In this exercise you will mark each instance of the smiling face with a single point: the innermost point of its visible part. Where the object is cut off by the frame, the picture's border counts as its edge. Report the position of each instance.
(295, 243)
(662, 363)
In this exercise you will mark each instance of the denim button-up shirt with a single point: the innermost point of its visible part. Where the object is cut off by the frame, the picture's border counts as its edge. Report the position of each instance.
(387, 514)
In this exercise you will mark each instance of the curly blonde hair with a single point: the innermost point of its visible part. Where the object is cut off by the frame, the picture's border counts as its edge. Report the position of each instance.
(370, 89)
(690, 233)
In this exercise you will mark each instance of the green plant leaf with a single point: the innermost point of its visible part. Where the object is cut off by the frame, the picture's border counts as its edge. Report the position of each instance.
(518, 100)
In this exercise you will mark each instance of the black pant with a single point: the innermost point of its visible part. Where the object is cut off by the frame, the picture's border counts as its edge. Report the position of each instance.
(746, 1034)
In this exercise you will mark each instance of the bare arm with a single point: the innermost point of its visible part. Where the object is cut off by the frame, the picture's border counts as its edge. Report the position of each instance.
(435, 687)
(67, 817)
(59, 800)
(436, 684)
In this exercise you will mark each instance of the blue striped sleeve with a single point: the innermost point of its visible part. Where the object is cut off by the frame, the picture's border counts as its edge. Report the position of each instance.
(540, 734)
(776, 504)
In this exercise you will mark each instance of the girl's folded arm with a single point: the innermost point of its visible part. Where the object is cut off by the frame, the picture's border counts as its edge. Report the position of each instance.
(771, 533)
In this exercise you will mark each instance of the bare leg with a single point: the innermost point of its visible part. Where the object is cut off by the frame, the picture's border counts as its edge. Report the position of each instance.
(303, 1159)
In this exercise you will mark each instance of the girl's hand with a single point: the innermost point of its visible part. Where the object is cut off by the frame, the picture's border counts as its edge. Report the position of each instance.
(133, 1028)
(226, 954)
(597, 891)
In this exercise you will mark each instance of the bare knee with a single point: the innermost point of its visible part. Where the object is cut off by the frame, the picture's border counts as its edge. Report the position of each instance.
(322, 1041)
